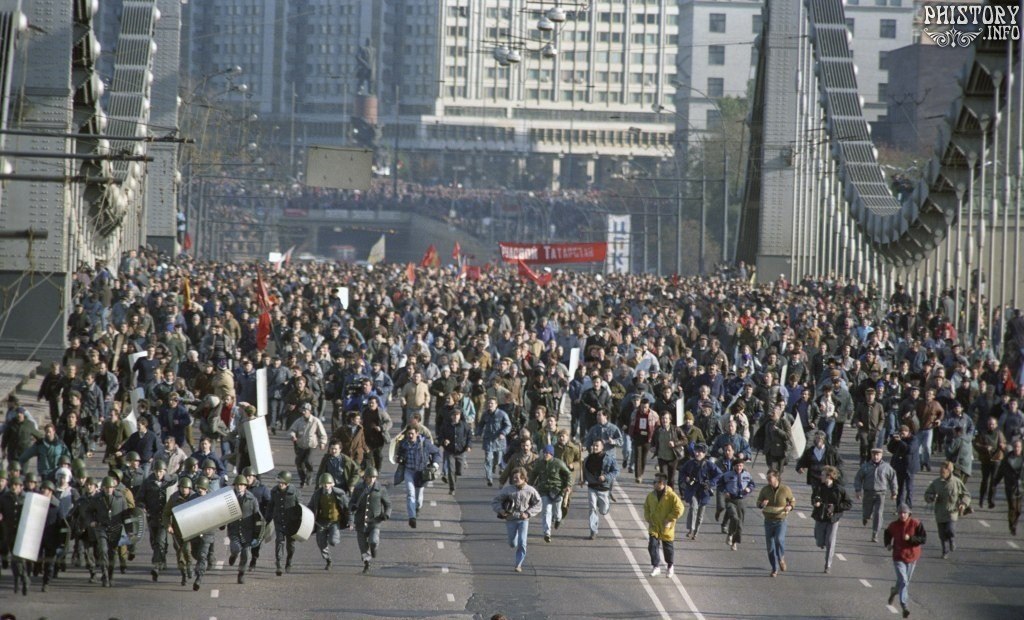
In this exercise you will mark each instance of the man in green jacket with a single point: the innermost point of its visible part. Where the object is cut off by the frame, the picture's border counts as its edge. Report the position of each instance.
(552, 479)
(776, 502)
(47, 451)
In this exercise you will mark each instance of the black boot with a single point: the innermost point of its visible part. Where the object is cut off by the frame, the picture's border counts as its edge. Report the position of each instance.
(184, 579)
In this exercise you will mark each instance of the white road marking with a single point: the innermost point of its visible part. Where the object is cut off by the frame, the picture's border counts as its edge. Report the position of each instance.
(892, 609)
(842, 558)
(227, 541)
(214, 593)
(763, 477)
(444, 570)
(636, 569)
(984, 523)
(437, 523)
(451, 597)
(801, 515)
(865, 583)
(643, 578)
(220, 564)
(1013, 544)
(440, 544)
(433, 503)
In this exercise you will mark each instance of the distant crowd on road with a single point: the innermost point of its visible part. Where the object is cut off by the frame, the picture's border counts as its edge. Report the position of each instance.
(691, 378)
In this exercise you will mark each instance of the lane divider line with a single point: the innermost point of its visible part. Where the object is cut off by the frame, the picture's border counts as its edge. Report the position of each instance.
(437, 523)
(892, 609)
(865, 583)
(842, 558)
(983, 523)
(763, 477)
(451, 597)
(801, 515)
(1013, 544)
(637, 570)
(440, 544)
(214, 593)
(433, 503)
(675, 579)
(444, 570)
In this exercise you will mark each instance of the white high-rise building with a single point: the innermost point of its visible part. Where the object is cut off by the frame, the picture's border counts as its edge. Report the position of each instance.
(571, 113)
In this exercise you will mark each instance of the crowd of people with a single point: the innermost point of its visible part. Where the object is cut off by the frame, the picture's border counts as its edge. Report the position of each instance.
(690, 377)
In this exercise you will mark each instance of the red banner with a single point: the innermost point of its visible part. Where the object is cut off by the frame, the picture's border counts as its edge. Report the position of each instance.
(548, 253)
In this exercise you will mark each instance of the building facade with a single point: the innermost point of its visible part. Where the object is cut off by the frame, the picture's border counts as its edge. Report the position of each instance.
(591, 93)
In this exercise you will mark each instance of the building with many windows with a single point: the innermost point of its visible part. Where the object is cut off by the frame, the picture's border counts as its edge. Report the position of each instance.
(492, 90)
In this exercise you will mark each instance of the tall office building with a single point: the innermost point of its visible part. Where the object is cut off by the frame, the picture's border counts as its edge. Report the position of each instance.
(591, 93)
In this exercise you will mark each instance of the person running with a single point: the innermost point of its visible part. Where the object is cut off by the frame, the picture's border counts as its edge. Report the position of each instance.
(662, 509)
(517, 503)
(876, 479)
(830, 502)
(599, 472)
(776, 501)
(330, 507)
(1010, 473)
(552, 479)
(698, 478)
(735, 485)
(370, 507)
(950, 499)
(416, 454)
(904, 537)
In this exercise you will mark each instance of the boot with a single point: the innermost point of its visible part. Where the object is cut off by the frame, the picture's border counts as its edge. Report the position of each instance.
(196, 584)
(252, 563)
(92, 576)
(241, 578)
(373, 551)
(155, 574)
(184, 579)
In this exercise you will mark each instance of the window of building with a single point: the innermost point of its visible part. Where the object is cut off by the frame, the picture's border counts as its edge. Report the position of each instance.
(713, 119)
(883, 89)
(716, 22)
(887, 28)
(850, 25)
(716, 54)
(757, 23)
(716, 87)
(882, 58)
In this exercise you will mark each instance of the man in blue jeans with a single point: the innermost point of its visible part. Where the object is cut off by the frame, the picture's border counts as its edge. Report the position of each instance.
(776, 502)
(599, 471)
(516, 504)
(493, 427)
(415, 454)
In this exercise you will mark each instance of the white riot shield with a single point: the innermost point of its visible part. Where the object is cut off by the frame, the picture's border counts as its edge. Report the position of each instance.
(574, 362)
(258, 440)
(305, 525)
(30, 527)
(679, 412)
(206, 513)
(262, 406)
(798, 439)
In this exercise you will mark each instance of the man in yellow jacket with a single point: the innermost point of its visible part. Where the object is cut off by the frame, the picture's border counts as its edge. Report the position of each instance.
(661, 510)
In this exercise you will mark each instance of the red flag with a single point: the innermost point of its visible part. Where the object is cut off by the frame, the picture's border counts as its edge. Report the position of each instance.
(410, 272)
(529, 274)
(186, 243)
(430, 258)
(473, 273)
(456, 252)
(263, 325)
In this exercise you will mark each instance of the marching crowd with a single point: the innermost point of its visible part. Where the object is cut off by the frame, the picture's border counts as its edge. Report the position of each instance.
(691, 378)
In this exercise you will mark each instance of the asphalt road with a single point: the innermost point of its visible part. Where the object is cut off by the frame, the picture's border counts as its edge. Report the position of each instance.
(457, 564)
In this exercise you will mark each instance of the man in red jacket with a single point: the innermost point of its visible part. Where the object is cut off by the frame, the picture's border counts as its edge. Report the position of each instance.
(904, 537)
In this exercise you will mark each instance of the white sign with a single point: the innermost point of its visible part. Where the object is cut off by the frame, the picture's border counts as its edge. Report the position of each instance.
(679, 412)
(618, 244)
(340, 168)
(262, 408)
(343, 296)
(574, 362)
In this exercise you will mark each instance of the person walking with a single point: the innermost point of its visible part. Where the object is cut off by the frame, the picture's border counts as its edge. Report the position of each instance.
(698, 478)
(875, 479)
(906, 460)
(1010, 472)
(516, 504)
(950, 499)
(370, 507)
(735, 485)
(552, 479)
(830, 502)
(991, 446)
(569, 452)
(904, 537)
(662, 509)
(599, 472)
(776, 501)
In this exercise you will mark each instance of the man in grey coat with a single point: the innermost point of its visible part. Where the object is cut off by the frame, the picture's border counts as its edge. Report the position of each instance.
(516, 504)
(874, 480)
(244, 531)
(369, 507)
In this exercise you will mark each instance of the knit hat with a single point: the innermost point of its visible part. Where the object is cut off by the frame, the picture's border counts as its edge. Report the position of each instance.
(903, 508)
(549, 449)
